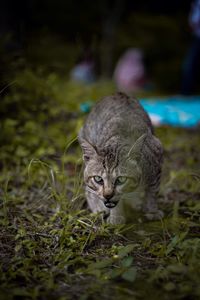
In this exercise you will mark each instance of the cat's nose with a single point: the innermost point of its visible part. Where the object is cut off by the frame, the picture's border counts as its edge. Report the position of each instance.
(108, 196)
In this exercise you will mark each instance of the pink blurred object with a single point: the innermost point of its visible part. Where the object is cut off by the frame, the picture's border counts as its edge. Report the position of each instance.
(129, 74)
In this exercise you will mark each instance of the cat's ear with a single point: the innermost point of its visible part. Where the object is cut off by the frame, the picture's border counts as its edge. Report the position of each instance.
(135, 150)
(88, 150)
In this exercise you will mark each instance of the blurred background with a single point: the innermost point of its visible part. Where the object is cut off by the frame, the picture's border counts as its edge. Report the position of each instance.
(83, 40)
(58, 57)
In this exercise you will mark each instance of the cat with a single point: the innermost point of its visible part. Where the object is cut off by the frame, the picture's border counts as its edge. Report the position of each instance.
(122, 159)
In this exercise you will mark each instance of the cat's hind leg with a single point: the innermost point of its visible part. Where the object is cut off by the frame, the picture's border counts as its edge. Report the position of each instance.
(152, 170)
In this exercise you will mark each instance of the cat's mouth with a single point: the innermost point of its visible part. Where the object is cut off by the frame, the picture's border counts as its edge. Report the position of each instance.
(110, 204)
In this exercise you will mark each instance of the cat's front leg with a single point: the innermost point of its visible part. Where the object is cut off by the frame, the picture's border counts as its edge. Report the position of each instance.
(117, 215)
(150, 207)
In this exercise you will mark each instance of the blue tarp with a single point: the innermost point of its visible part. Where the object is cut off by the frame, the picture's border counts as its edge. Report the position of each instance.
(174, 110)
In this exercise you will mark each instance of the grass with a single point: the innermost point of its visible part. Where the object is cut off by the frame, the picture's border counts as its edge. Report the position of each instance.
(51, 247)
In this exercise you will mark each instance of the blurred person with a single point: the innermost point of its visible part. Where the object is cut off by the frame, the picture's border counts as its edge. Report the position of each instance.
(192, 61)
(84, 70)
(129, 74)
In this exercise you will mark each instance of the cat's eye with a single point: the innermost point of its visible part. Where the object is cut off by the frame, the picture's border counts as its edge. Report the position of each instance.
(98, 179)
(120, 180)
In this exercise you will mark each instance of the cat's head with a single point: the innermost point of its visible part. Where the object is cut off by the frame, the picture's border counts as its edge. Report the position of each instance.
(111, 173)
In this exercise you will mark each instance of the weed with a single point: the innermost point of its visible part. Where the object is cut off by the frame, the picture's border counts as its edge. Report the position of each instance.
(50, 245)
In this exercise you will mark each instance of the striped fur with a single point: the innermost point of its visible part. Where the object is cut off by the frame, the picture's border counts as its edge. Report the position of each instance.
(122, 159)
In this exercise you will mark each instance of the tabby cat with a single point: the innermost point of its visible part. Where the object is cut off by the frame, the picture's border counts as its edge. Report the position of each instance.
(122, 159)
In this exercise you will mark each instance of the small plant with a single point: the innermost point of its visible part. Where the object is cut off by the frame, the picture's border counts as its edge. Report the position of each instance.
(50, 245)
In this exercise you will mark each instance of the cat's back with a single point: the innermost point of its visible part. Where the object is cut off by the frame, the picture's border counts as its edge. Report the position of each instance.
(116, 105)
(118, 114)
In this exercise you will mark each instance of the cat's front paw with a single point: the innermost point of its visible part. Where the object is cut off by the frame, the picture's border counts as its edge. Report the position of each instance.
(154, 215)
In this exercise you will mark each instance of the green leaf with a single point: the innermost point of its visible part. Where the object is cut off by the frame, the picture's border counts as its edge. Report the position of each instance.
(130, 274)
(175, 241)
(169, 286)
(124, 251)
(127, 261)
(116, 273)
(101, 264)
